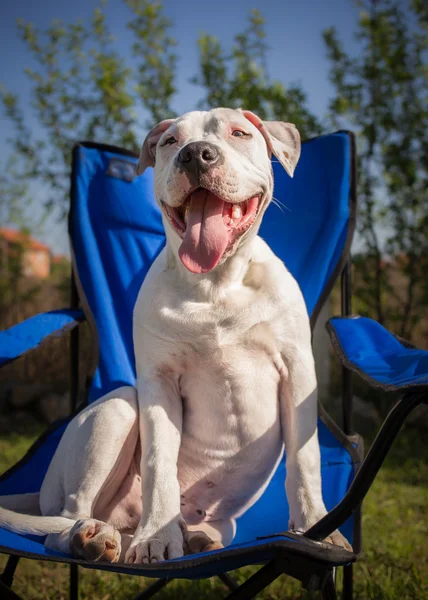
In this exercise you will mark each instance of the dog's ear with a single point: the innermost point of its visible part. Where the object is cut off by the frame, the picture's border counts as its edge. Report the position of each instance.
(282, 140)
(148, 150)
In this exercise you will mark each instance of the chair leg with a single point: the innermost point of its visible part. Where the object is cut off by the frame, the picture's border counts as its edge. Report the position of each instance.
(228, 581)
(256, 583)
(153, 589)
(348, 583)
(7, 594)
(328, 592)
(74, 582)
(9, 570)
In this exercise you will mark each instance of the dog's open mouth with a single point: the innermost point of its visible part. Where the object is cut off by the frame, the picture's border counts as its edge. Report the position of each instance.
(209, 226)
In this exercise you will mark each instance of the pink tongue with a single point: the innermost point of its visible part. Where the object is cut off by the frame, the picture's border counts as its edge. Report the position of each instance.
(206, 236)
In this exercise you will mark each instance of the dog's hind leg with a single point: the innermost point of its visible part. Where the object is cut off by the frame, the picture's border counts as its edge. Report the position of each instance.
(87, 469)
(28, 504)
(209, 535)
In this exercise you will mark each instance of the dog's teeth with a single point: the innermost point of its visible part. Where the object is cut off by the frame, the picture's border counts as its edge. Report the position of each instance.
(236, 212)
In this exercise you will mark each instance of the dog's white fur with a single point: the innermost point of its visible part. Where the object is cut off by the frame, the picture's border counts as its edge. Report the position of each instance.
(225, 380)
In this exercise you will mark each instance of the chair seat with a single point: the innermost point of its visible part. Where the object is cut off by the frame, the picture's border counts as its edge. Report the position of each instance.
(197, 566)
(268, 516)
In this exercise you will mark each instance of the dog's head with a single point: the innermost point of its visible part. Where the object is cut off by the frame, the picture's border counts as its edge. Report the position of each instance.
(213, 179)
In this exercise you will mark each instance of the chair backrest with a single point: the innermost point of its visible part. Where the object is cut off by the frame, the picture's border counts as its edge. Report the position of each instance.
(116, 232)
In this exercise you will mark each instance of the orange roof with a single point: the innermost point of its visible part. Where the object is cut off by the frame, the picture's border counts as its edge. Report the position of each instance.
(13, 236)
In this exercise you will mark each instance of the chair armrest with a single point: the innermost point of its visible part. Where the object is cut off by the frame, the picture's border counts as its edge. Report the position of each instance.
(30, 333)
(366, 347)
(369, 467)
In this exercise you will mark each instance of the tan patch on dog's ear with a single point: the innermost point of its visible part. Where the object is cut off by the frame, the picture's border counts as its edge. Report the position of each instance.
(148, 150)
(282, 140)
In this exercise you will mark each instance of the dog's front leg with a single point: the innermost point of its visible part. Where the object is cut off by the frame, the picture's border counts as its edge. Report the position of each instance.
(159, 534)
(299, 415)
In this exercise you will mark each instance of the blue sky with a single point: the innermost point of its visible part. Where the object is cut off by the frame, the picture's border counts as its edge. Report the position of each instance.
(297, 53)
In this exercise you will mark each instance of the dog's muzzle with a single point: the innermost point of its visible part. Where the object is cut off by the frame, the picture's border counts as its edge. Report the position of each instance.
(198, 157)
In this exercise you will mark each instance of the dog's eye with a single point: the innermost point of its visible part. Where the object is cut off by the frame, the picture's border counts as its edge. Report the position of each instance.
(239, 133)
(169, 141)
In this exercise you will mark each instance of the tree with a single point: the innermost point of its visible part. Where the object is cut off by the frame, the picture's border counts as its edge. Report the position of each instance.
(13, 210)
(154, 47)
(15, 288)
(242, 79)
(382, 92)
(79, 91)
(83, 88)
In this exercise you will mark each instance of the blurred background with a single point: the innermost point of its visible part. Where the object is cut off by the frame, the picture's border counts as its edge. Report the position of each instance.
(109, 71)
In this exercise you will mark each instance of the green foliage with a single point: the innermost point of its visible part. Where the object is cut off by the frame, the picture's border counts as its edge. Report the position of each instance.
(13, 207)
(82, 88)
(241, 78)
(12, 276)
(154, 50)
(60, 277)
(79, 91)
(382, 93)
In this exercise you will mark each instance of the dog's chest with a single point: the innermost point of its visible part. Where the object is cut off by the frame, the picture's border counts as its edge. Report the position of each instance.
(231, 421)
(230, 363)
(229, 346)
(238, 320)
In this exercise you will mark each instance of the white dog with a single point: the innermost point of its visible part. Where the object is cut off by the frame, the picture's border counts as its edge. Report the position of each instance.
(225, 372)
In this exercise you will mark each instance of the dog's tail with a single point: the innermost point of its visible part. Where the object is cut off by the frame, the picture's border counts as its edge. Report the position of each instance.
(26, 524)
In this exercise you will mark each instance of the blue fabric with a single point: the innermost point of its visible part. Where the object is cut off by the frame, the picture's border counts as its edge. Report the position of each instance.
(374, 352)
(31, 332)
(213, 563)
(117, 232)
(308, 230)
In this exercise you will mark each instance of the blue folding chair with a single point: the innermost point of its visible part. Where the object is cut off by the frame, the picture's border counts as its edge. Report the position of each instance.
(116, 232)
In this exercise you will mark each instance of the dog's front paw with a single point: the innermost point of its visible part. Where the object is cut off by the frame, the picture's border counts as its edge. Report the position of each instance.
(95, 541)
(339, 540)
(154, 544)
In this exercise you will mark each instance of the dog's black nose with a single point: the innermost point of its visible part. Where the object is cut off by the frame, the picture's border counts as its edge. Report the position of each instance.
(198, 157)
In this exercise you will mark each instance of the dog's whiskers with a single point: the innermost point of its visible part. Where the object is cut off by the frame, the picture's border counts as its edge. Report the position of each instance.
(280, 204)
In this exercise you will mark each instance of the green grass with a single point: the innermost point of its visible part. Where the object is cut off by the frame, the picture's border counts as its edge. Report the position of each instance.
(394, 565)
